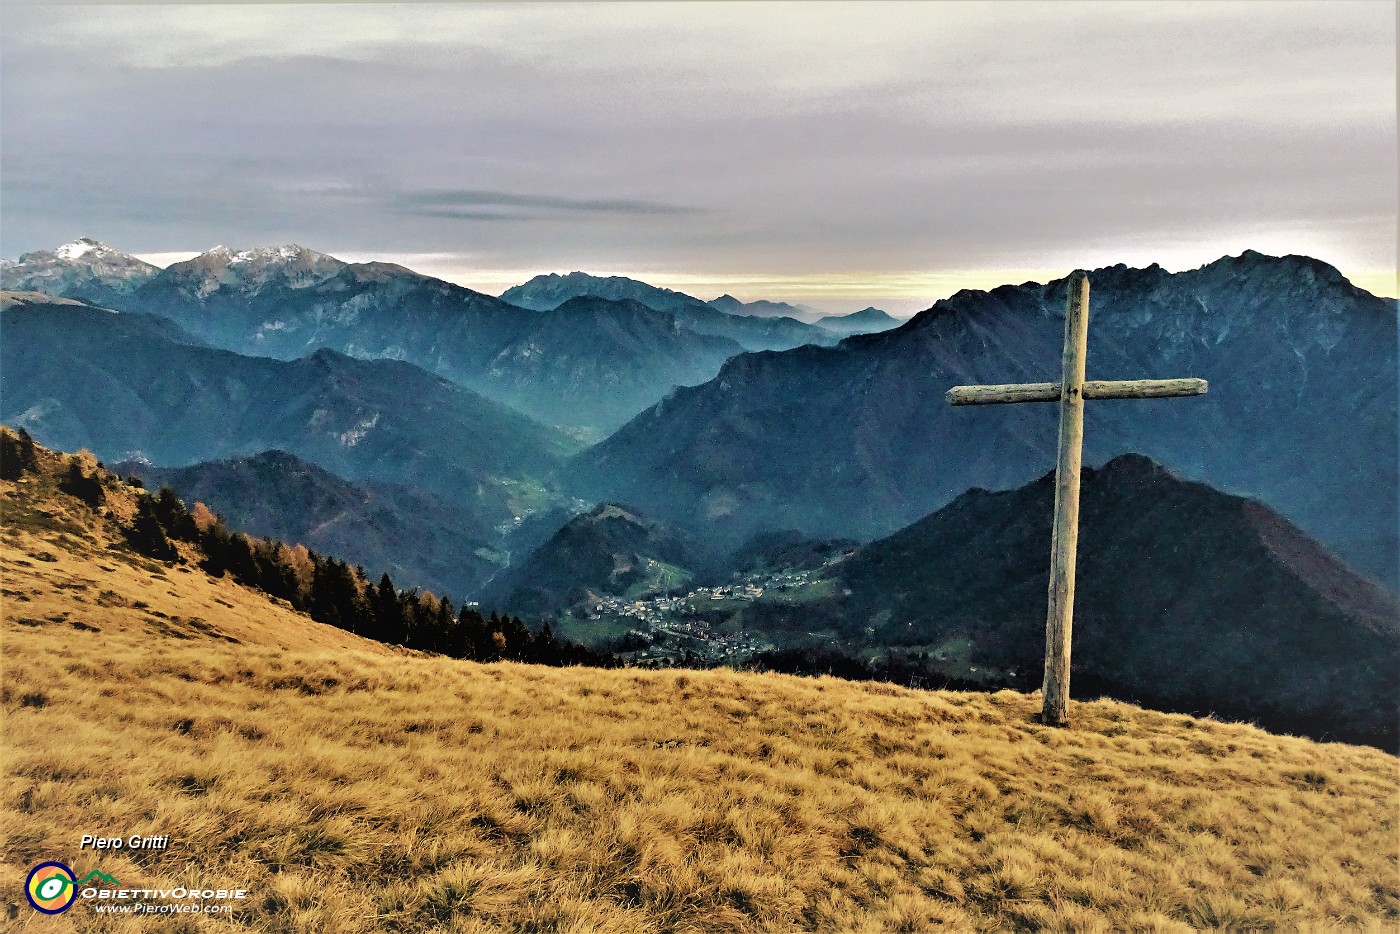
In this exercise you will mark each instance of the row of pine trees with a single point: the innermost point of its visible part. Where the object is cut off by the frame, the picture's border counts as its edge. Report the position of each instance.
(326, 588)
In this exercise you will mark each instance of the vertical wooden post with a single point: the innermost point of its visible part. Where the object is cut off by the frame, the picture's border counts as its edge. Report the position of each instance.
(1059, 618)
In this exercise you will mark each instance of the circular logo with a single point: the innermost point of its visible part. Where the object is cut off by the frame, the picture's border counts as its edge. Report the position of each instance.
(51, 888)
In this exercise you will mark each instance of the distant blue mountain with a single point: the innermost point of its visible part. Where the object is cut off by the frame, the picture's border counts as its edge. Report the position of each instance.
(124, 386)
(762, 309)
(752, 333)
(587, 374)
(866, 321)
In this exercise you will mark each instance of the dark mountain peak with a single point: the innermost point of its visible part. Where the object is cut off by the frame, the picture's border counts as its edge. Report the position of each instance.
(389, 286)
(420, 539)
(1251, 257)
(331, 361)
(761, 308)
(760, 331)
(578, 276)
(594, 362)
(967, 302)
(1135, 467)
(866, 313)
(622, 322)
(1119, 276)
(1231, 285)
(36, 309)
(743, 368)
(610, 550)
(1186, 597)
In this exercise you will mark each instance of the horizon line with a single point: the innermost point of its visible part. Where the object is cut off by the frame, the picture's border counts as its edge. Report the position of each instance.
(902, 286)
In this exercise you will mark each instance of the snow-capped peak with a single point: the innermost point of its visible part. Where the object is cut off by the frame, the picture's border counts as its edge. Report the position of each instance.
(84, 269)
(81, 247)
(264, 253)
(249, 270)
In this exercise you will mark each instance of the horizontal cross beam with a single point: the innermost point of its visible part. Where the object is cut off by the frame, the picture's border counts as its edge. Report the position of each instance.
(1093, 389)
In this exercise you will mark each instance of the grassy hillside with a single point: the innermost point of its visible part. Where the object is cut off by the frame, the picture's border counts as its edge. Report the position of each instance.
(353, 787)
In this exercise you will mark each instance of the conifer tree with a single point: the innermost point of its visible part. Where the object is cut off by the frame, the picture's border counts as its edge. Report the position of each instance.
(11, 464)
(238, 558)
(388, 615)
(174, 517)
(28, 456)
(146, 534)
(214, 542)
(78, 484)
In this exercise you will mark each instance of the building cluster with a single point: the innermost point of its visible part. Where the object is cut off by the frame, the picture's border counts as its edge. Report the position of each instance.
(675, 629)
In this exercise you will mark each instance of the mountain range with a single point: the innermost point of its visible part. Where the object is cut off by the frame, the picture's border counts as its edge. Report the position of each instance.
(857, 440)
(126, 387)
(818, 439)
(763, 309)
(749, 331)
(608, 359)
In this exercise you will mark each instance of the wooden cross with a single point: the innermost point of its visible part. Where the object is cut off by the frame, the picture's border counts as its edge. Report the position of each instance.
(1070, 392)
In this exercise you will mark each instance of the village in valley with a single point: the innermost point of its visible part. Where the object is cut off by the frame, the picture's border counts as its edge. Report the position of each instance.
(703, 626)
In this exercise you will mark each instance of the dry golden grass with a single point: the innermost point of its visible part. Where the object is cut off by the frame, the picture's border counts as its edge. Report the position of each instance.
(351, 787)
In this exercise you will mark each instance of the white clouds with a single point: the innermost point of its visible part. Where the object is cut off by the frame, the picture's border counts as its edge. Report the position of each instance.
(1037, 60)
(782, 138)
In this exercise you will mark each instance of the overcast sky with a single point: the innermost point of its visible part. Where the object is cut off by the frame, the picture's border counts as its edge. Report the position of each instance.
(830, 153)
